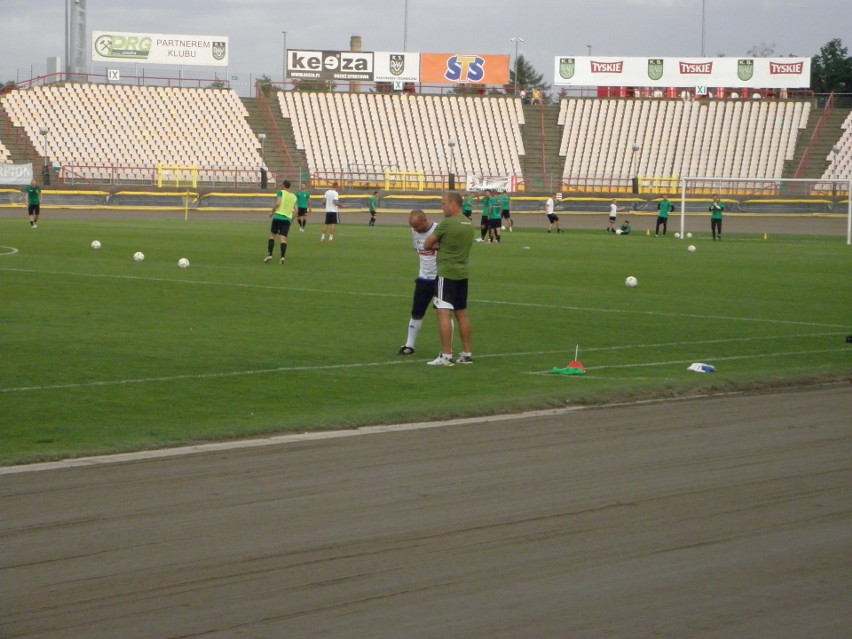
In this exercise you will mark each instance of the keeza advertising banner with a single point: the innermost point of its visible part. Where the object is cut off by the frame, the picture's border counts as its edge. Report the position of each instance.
(463, 68)
(395, 66)
(330, 65)
(757, 73)
(16, 173)
(158, 48)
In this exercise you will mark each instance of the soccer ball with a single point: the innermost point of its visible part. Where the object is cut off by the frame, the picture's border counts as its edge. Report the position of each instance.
(631, 282)
(677, 235)
(689, 235)
(138, 256)
(96, 245)
(183, 262)
(618, 231)
(691, 248)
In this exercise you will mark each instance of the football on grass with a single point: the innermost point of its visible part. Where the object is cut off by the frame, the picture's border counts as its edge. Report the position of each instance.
(183, 262)
(631, 282)
(96, 245)
(138, 256)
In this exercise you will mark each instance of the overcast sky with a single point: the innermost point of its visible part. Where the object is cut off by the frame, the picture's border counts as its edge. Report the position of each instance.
(33, 30)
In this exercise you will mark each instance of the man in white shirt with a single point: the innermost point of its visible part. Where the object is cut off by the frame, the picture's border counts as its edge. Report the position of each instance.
(549, 210)
(424, 285)
(332, 215)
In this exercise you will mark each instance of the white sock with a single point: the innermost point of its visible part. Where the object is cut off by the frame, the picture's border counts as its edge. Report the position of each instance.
(330, 238)
(413, 329)
(322, 237)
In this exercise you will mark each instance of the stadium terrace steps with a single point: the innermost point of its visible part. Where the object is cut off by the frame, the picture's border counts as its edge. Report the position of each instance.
(542, 165)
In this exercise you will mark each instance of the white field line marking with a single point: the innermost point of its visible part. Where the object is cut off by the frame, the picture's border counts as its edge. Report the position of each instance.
(285, 369)
(392, 295)
(10, 250)
(278, 440)
(715, 359)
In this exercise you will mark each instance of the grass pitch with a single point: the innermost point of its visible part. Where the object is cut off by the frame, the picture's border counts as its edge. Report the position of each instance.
(103, 354)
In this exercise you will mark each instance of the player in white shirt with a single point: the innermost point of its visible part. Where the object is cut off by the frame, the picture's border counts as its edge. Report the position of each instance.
(549, 210)
(332, 215)
(424, 285)
(613, 210)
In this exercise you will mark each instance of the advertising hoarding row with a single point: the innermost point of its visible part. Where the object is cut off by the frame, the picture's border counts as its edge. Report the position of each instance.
(780, 73)
(387, 66)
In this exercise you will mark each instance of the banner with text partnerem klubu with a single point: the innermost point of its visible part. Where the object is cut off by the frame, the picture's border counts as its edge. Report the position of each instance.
(16, 173)
(159, 48)
(755, 73)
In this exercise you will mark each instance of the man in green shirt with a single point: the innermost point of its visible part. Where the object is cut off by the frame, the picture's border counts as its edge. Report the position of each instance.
(303, 207)
(716, 211)
(506, 204)
(33, 192)
(665, 207)
(486, 211)
(282, 215)
(452, 238)
(467, 206)
(373, 206)
(495, 219)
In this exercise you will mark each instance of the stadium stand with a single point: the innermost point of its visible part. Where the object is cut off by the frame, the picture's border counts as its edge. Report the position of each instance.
(4, 154)
(359, 135)
(840, 164)
(97, 129)
(710, 138)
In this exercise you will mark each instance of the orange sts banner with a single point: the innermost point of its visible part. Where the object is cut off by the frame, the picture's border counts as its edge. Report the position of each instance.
(463, 68)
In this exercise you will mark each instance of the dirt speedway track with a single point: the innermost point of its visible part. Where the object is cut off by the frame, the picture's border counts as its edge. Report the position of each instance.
(717, 517)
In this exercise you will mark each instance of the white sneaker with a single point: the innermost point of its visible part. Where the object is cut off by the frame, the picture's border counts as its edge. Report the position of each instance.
(301, 230)
(441, 361)
(502, 228)
(464, 359)
(479, 239)
(268, 258)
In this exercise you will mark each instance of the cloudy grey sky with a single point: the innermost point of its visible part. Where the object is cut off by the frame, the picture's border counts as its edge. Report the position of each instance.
(33, 30)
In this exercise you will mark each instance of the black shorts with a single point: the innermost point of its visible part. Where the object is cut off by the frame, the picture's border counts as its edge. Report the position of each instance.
(552, 217)
(451, 294)
(506, 214)
(280, 227)
(331, 217)
(34, 209)
(301, 212)
(495, 223)
(483, 221)
(424, 291)
(467, 214)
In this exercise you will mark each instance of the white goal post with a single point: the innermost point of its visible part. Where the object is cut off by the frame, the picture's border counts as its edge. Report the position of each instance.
(775, 196)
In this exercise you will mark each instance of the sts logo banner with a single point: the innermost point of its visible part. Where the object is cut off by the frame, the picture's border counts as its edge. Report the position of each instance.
(467, 68)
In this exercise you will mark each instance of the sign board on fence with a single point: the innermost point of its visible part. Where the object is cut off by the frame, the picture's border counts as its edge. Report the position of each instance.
(159, 48)
(16, 173)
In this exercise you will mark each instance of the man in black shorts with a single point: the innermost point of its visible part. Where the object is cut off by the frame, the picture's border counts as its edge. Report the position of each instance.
(424, 285)
(33, 192)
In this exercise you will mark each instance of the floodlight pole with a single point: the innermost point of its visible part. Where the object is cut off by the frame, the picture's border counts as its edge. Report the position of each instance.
(835, 150)
(517, 40)
(452, 181)
(284, 66)
(44, 131)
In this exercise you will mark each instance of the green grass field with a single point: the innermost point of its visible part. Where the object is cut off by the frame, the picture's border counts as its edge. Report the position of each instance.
(102, 354)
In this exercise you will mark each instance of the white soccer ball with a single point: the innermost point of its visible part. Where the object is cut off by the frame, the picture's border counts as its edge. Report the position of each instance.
(138, 256)
(691, 248)
(618, 231)
(183, 262)
(631, 282)
(689, 235)
(96, 245)
(677, 235)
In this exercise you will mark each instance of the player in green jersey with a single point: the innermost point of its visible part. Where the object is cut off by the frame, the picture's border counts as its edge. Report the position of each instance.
(664, 208)
(303, 207)
(33, 192)
(373, 205)
(716, 211)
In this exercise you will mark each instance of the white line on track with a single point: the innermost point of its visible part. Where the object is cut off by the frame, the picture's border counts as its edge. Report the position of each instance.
(285, 369)
(559, 307)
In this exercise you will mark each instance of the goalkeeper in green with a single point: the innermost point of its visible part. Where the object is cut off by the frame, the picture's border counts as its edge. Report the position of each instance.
(716, 211)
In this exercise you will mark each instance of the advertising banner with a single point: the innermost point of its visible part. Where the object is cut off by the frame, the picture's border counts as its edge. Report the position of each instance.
(158, 48)
(756, 73)
(391, 67)
(16, 173)
(330, 65)
(468, 68)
